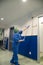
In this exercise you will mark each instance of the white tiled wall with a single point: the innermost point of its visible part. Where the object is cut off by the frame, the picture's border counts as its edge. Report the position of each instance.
(33, 27)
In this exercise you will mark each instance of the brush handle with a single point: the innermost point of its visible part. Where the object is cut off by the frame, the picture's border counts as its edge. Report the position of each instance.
(26, 28)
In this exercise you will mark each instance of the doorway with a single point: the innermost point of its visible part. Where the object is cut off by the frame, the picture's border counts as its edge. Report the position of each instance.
(10, 37)
(41, 37)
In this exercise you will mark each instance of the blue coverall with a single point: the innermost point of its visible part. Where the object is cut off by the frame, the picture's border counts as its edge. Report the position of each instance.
(15, 46)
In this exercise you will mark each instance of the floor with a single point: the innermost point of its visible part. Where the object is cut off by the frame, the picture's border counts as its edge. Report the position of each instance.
(5, 57)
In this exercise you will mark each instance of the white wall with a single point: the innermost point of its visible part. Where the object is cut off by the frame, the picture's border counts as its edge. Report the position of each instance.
(33, 27)
(41, 33)
(6, 32)
(29, 30)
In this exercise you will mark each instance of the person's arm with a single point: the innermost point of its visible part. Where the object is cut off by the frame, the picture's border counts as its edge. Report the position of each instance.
(20, 40)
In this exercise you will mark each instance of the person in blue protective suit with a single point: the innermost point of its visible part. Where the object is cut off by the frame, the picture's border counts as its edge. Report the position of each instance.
(15, 46)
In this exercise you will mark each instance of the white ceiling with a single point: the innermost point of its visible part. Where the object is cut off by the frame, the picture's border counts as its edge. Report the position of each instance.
(15, 12)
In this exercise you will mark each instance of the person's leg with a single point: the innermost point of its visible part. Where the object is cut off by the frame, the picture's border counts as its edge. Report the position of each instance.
(16, 55)
(14, 59)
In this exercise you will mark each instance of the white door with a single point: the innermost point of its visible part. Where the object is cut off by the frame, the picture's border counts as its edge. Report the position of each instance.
(41, 33)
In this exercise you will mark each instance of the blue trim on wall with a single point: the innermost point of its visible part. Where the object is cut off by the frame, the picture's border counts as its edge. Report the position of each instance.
(29, 45)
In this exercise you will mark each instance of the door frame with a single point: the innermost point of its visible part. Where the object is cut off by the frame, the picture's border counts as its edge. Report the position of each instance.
(38, 43)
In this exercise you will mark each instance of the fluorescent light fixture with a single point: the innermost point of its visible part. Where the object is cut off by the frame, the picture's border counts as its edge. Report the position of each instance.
(2, 19)
(24, 0)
